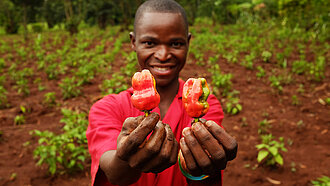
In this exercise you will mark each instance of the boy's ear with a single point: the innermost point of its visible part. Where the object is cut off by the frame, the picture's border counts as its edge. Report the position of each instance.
(189, 37)
(132, 37)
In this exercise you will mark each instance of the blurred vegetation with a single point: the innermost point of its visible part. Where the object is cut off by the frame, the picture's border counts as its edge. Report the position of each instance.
(16, 15)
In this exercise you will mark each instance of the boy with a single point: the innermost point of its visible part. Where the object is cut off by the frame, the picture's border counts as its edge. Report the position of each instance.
(122, 153)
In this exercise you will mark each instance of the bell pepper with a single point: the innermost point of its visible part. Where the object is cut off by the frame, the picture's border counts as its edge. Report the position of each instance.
(194, 96)
(145, 96)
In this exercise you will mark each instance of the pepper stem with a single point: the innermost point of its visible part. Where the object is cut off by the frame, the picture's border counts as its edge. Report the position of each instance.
(146, 112)
(196, 120)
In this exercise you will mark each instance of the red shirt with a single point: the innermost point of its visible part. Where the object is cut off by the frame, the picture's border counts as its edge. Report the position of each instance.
(105, 122)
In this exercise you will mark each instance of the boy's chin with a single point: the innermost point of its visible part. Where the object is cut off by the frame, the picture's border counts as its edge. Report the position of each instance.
(165, 82)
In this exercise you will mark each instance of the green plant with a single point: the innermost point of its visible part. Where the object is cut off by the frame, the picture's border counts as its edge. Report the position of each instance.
(220, 80)
(269, 152)
(86, 72)
(317, 69)
(22, 86)
(38, 82)
(50, 98)
(65, 152)
(248, 62)
(2, 64)
(300, 67)
(264, 125)
(2, 80)
(70, 88)
(231, 57)
(52, 71)
(276, 83)
(233, 106)
(266, 55)
(280, 58)
(321, 181)
(261, 72)
(130, 67)
(301, 89)
(19, 120)
(327, 101)
(3, 97)
(244, 122)
(114, 85)
(295, 100)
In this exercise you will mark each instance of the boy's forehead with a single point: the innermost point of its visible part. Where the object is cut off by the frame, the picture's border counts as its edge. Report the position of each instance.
(148, 18)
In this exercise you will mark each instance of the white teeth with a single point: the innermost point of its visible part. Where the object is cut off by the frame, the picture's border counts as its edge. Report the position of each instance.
(162, 68)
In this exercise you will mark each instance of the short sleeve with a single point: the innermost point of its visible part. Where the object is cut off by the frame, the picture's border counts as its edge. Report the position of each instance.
(105, 123)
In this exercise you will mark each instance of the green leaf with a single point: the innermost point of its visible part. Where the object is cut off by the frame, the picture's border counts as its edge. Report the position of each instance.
(260, 146)
(262, 155)
(239, 107)
(279, 159)
(273, 150)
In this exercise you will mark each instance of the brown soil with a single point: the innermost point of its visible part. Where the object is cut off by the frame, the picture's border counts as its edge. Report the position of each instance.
(307, 141)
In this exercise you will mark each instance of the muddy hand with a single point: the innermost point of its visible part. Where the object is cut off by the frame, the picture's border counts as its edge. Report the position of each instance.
(206, 148)
(134, 132)
(152, 155)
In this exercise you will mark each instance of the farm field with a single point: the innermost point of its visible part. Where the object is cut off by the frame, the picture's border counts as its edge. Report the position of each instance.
(273, 83)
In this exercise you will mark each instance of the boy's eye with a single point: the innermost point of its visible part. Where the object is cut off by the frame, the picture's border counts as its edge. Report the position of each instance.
(177, 44)
(148, 43)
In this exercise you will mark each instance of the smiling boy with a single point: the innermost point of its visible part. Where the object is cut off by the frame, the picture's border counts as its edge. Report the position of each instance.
(118, 133)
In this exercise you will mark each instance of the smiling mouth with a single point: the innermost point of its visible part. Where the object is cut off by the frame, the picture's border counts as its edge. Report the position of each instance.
(162, 69)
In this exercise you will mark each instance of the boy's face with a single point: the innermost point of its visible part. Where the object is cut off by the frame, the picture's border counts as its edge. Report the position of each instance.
(161, 43)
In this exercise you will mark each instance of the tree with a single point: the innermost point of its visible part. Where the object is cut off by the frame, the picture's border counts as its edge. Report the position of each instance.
(74, 14)
(52, 12)
(9, 16)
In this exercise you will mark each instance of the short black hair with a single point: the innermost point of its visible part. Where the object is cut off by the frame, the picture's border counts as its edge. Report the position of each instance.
(161, 6)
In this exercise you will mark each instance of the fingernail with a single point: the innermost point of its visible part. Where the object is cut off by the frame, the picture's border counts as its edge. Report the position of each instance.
(182, 141)
(196, 126)
(208, 123)
(186, 131)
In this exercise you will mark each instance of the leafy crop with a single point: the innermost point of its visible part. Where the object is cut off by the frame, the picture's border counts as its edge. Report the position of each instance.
(3, 97)
(248, 62)
(65, 152)
(261, 72)
(321, 181)
(114, 85)
(264, 125)
(2, 64)
(233, 105)
(269, 151)
(266, 55)
(20, 119)
(276, 83)
(50, 98)
(70, 88)
(220, 80)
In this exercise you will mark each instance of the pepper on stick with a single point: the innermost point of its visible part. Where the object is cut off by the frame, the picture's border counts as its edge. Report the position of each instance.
(145, 96)
(194, 96)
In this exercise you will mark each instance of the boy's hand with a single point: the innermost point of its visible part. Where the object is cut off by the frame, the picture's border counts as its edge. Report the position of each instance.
(206, 148)
(153, 155)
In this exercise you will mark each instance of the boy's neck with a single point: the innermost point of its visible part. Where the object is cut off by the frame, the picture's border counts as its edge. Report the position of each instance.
(167, 94)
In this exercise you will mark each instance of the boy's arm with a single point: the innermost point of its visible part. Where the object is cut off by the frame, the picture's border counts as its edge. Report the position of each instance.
(118, 171)
(136, 154)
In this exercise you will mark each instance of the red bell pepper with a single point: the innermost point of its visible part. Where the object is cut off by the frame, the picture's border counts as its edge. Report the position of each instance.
(194, 96)
(145, 96)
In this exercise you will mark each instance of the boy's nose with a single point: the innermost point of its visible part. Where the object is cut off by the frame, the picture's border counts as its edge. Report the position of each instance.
(162, 53)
